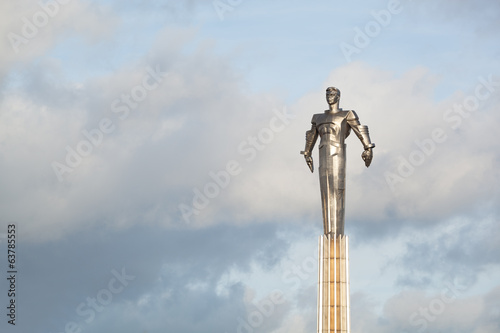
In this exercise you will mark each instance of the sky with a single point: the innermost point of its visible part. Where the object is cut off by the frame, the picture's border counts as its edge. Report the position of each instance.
(151, 181)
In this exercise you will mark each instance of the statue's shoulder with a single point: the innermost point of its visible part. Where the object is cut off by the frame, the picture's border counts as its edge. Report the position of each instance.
(316, 118)
(351, 115)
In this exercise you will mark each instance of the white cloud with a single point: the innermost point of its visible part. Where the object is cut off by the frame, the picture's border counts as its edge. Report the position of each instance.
(30, 29)
(182, 123)
(454, 179)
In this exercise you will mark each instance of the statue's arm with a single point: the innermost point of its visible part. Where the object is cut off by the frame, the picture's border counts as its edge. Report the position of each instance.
(311, 137)
(364, 136)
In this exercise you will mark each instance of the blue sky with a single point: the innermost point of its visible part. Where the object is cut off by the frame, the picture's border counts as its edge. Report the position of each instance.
(149, 158)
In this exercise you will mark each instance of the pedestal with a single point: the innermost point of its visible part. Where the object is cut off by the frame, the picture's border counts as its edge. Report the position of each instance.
(333, 287)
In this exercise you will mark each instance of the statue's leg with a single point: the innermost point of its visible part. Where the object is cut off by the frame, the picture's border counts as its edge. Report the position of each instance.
(339, 166)
(326, 183)
(329, 168)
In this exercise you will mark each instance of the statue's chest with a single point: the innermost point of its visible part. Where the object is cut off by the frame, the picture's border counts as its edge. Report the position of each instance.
(331, 124)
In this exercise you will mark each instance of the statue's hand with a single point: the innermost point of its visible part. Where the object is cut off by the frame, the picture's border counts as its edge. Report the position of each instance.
(309, 161)
(367, 156)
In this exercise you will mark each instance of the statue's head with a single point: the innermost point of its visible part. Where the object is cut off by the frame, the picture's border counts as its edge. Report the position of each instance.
(332, 95)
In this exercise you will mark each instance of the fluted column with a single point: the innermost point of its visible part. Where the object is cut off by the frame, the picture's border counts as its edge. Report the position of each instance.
(333, 287)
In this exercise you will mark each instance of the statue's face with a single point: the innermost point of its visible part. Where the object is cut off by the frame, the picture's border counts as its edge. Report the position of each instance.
(332, 96)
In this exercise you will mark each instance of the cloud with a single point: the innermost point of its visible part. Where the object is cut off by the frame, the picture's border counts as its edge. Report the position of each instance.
(150, 163)
(163, 141)
(440, 279)
(413, 311)
(483, 15)
(119, 207)
(170, 145)
(179, 279)
(31, 29)
(461, 249)
(450, 178)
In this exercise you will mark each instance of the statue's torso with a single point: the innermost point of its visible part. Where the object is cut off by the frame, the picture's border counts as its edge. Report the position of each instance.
(332, 128)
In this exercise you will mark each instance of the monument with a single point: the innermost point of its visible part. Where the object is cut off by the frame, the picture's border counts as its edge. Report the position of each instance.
(333, 127)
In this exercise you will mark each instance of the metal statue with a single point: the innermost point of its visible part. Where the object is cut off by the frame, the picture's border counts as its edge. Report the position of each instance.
(333, 126)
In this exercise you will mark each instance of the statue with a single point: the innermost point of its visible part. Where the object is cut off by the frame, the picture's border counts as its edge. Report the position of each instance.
(333, 126)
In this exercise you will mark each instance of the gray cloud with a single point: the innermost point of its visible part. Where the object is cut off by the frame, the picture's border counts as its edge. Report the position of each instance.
(176, 277)
(462, 250)
(414, 312)
(164, 140)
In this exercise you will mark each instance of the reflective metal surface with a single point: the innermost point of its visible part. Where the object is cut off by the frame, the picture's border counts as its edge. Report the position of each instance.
(333, 126)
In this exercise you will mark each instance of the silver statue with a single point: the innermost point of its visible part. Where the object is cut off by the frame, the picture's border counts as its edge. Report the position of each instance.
(333, 126)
